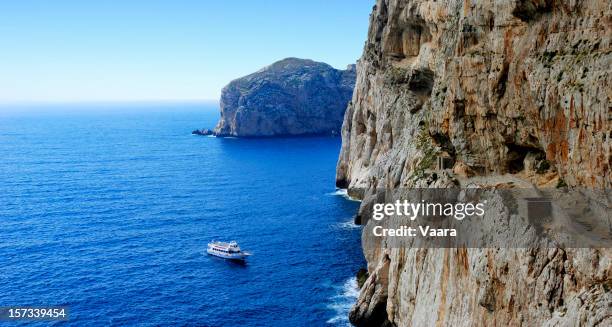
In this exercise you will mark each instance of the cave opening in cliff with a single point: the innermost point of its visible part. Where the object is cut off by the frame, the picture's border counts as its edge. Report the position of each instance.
(421, 81)
(446, 158)
(515, 158)
(444, 142)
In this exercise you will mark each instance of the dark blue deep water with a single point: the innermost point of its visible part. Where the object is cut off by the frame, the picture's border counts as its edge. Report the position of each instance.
(107, 209)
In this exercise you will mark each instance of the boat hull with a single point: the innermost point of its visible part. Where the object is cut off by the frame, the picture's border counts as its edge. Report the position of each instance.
(228, 256)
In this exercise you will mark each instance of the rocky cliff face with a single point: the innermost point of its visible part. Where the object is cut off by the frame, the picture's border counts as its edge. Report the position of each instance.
(290, 97)
(502, 89)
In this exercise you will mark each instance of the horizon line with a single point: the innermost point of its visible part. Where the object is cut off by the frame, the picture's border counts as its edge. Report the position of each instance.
(103, 101)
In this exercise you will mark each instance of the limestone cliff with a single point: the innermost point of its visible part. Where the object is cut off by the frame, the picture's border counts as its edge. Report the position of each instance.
(503, 89)
(290, 97)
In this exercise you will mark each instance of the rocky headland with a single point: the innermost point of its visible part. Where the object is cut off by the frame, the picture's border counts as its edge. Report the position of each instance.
(291, 97)
(483, 94)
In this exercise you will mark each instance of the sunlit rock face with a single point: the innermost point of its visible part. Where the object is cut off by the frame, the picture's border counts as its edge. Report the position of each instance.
(504, 90)
(290, 97)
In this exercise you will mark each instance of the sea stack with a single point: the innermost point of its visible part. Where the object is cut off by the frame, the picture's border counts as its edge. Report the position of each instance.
(291, 97)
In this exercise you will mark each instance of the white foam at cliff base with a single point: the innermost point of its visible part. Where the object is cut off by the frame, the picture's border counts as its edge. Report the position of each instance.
(343, 193)
(343, 301)
(348, 224)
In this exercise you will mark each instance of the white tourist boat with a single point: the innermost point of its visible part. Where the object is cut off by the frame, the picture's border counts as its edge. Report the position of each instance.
(226, 250)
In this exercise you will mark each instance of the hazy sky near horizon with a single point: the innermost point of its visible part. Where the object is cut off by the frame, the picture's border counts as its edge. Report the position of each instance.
(75, 50)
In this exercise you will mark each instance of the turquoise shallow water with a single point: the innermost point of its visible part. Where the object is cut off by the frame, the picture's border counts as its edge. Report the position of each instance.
(108, 208)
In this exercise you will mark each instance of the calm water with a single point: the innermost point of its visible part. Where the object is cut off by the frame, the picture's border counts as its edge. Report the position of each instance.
(109, 211)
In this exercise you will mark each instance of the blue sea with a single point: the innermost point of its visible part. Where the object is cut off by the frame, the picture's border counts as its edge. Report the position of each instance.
(107, 209)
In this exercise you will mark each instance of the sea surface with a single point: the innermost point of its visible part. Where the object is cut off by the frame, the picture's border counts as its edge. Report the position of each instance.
(107, 209)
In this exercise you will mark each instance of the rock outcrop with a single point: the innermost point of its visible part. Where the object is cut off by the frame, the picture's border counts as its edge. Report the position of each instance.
(498, 89)
(290, 97)
(203, 132)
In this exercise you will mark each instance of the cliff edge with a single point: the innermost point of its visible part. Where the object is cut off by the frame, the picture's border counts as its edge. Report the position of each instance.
(290, 97)
(504, 90)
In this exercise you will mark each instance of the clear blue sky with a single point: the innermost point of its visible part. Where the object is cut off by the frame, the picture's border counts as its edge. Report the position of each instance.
(81, 50)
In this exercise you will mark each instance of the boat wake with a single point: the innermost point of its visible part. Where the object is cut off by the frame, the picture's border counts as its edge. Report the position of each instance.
(342, 302)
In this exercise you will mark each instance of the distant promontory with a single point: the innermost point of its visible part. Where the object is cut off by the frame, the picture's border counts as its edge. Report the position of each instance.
(288, 98)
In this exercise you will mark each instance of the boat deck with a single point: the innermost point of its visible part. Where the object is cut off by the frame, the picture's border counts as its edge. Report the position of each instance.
(221, 244)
